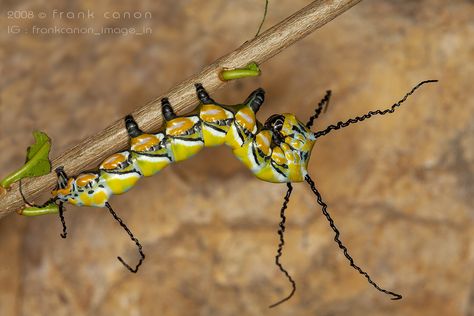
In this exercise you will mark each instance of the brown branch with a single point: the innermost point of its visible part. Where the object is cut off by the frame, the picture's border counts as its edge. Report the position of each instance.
(94, 149)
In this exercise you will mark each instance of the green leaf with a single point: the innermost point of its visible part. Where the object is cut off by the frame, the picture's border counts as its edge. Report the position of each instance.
(37, 161)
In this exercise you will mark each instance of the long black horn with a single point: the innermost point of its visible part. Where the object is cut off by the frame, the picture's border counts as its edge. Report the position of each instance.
(132, 237)
(341, 245)
(281, 231)
(357, 119)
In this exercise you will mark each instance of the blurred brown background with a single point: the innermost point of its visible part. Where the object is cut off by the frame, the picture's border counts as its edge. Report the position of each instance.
(399, 187)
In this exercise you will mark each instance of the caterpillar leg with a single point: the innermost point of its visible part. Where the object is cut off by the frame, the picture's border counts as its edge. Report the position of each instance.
(132, 237)
(323, 104)
(324, 206)
(281, 231)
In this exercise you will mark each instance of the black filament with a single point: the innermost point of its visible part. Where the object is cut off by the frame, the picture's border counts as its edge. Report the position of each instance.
(341, 245)
(281, 231)
(132, 237)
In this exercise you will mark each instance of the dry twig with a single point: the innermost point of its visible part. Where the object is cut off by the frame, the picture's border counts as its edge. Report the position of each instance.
(95, 148)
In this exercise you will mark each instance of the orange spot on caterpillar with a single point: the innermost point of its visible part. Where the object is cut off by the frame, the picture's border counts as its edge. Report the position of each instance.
(113, 161)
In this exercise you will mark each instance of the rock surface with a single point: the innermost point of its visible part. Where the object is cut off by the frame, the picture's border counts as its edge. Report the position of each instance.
(400, 188)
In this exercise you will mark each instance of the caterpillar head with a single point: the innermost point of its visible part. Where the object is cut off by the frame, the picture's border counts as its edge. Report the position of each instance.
(286, 128)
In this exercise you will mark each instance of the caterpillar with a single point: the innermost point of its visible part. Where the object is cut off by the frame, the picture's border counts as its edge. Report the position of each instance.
(276, 151)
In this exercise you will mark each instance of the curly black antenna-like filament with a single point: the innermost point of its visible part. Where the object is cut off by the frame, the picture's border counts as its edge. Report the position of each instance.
(341, 245)
(63, 221)
(357, 119)
(28, 202)
(323, 104)
(23, 196)
(281, 231)
(132, 237)
(61, 209)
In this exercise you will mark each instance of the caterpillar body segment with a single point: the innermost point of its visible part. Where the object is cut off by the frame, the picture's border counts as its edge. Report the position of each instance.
(149, 153)
(183, 134)
(216, 122)
(119, 173)
(245, 124)
(184, 137)
(216, 119)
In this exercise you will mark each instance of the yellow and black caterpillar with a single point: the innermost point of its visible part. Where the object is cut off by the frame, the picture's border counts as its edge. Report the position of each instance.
(276, 151)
